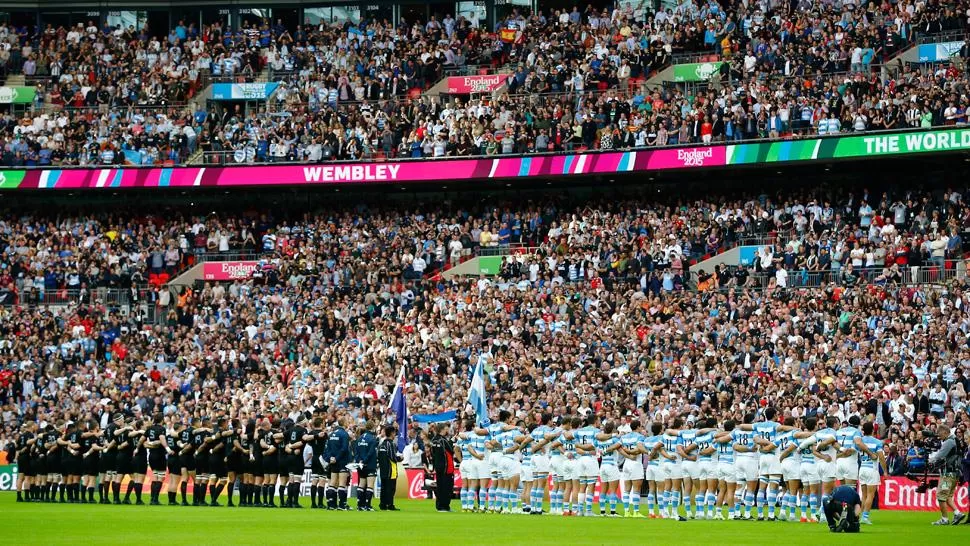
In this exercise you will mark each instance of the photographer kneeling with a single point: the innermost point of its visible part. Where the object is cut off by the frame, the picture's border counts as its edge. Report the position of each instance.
(949, 459)
(842, 510)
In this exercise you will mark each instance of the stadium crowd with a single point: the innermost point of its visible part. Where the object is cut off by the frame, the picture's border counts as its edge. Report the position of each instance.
(598, 315)
(111, 95)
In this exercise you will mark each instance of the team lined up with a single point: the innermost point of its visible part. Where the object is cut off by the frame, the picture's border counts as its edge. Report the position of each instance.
(267, 457)
(759, 463)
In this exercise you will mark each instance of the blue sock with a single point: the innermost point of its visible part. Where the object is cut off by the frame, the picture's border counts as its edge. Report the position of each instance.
(665, 500)
(865, 515)
(602, 502)
(675, 502)
(761, 502)
(772, 499)
(712, 501)
(699, 502)
(626, 501)
(589, 503)
(822, 501)
(464, 499)
(748, 501)
(482, 498)
(813, 502)
(651, 502)
(492, 491)
(635, 501)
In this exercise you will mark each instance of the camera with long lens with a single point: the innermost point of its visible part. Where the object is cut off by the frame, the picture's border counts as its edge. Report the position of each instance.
(929, 442)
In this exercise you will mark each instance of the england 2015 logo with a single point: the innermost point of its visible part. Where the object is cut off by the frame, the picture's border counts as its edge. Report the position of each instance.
(694, 157)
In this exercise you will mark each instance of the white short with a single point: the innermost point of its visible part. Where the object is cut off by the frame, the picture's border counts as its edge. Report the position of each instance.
(570, 470)
(768, 465)
(588, 467)
(479, 470)
(826, 471)
(847, 468)
(557, 465)
(609, 473)
(467, 467)
(540, 464)
(869, 476)
(494, 463)
(791, 469)
(747, 468)
(727, 472)
(809, 473)
(706, 470)
(526, 472)
(673, 470)
(509, 467)
(691, 470)
(654, 472)
(633, 470)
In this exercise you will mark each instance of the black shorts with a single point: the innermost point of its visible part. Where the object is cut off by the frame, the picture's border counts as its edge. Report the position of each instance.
(217, 466)
(68, 468)
(23, 466)
(366, 472)
(139, 463)
(157, 462)
(317, 468)
(107, 462)
(39, 465)
(91, 465)
(174, 464)
(235, 463)
(340, 467)
(123, 464)
(187, 462)
(53, 464)
(294, 465)
(201, 464)
(271, 465)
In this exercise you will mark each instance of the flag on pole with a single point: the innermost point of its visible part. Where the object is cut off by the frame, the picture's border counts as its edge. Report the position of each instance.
(476, 393)
(400, 408)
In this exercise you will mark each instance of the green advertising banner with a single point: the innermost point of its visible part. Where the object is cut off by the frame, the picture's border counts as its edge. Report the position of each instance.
(10, 180)
(489, 265)
(8, 477)
(848, 147)
(17, 95)
(696, 72)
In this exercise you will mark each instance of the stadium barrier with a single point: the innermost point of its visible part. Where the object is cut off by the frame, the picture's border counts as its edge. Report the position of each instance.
(850, 146)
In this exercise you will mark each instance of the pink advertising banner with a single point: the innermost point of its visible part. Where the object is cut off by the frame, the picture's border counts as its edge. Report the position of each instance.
(466, 85)
(428, 170)
(228, 271)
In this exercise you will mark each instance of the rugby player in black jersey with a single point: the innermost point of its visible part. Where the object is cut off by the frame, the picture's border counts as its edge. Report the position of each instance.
(317, 437)
(90, 459)
(270, 462)
(218, 473)
(200, 458)
(139, 460)
(234, 461)
(174, 460)
(247, 464)
(26, 489)
(294, 464)
(158, 449)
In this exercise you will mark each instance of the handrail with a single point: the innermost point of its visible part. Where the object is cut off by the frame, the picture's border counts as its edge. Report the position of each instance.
(29, 296)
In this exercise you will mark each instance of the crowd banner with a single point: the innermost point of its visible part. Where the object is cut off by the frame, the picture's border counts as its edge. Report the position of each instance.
(899, 493)
(428, 418)
(563, 165)
(228, 271)
(696, 72)
(17, 95)
(931, 53)
(466, 85)
(243, 91)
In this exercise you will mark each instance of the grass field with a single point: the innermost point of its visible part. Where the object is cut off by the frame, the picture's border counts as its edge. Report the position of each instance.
(418, 524)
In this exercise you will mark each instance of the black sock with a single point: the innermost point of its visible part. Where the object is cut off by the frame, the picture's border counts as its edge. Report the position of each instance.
(116, 489)
(101, 487)
(361, 495)
(63, 490)
(368, 496)
(138, 491)
(131, 487)
(184, 489)
(214, 491)
(271, 491)
(90, 494)
(342, 495)
(331, 497)
(313, 495)
(229, 488)
(282, 493)
(172, 497)
(156, 491)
